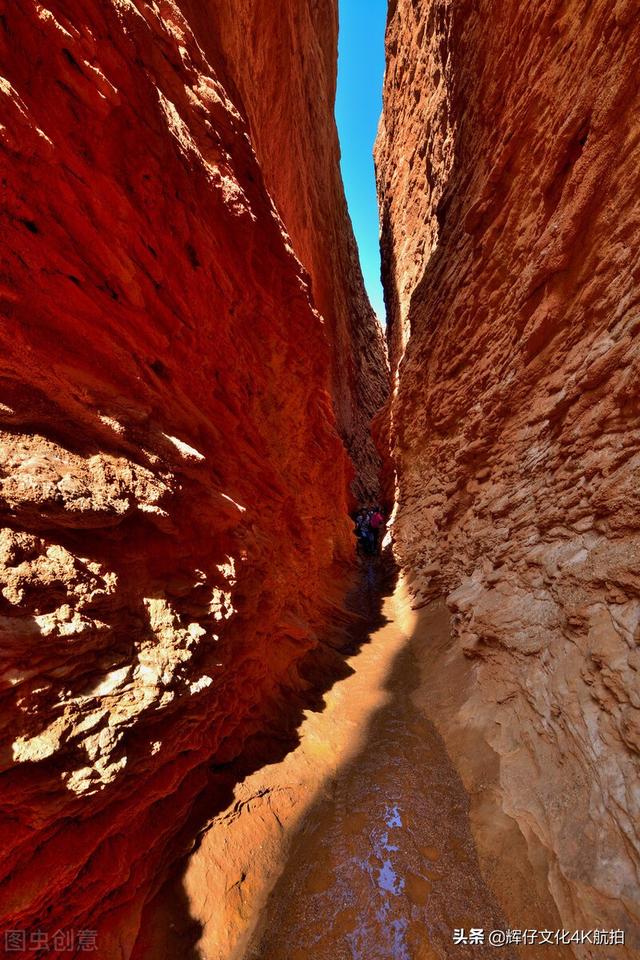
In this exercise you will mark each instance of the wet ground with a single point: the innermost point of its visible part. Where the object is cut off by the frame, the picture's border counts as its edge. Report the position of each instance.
(383, 867)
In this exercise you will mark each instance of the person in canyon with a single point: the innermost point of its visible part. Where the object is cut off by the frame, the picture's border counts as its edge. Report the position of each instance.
(369, 529)
(363, 532)
(376, 524)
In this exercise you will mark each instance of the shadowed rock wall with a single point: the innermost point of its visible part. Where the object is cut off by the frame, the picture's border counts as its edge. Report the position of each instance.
(173, 487)
(508, 166)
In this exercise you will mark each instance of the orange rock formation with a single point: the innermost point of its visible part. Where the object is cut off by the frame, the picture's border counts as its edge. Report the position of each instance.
(189, 366)
(286, 80)
(172, 481)
(508, 167)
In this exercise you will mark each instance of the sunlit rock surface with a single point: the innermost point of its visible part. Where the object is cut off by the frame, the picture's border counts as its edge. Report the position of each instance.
(173, 485)
(508, 174)
(281, 59)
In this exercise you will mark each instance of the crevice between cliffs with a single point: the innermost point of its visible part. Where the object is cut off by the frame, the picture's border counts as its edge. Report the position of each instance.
(221, 733)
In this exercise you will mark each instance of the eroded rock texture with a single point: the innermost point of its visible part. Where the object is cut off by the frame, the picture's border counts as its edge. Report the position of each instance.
(281, 60)
(508, 170)
(173, 486)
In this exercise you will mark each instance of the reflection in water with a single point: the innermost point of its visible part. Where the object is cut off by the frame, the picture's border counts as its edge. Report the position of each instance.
(384, 868)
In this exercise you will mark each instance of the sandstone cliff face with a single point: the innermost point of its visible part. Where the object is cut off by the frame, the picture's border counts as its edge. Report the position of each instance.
(280, 58)
(172, 483)
(508, 176)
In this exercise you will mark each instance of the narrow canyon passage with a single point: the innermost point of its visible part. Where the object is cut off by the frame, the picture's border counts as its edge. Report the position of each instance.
(384, 866)
(357, 843)
(199, 760)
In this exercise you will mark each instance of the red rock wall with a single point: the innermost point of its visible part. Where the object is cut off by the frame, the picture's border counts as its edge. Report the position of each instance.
(281, 59)
(508, 169)
(172, 484)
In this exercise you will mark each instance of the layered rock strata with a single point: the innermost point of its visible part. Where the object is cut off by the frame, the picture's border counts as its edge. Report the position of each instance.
(173, 485)
(508, 167)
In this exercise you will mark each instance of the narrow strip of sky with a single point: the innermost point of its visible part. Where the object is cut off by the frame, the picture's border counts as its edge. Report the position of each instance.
(358, 108)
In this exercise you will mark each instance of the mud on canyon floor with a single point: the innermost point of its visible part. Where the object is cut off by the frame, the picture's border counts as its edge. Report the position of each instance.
(356, 844)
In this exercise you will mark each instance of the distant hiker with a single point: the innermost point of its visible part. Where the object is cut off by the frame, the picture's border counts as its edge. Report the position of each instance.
(362, 531)
(359, 531)
(376, 524)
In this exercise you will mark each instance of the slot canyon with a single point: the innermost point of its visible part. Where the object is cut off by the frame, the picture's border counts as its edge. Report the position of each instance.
(224, 735)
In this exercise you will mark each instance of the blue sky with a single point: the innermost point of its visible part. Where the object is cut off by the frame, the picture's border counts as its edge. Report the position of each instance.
(358, 108)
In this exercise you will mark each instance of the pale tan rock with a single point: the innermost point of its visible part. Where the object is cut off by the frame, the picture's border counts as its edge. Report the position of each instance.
(508, 176)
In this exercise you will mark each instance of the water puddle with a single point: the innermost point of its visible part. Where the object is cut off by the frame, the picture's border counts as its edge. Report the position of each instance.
(355, 845)
(384, 868)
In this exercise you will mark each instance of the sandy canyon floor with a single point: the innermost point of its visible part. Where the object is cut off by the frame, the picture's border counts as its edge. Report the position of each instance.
(358, 843)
